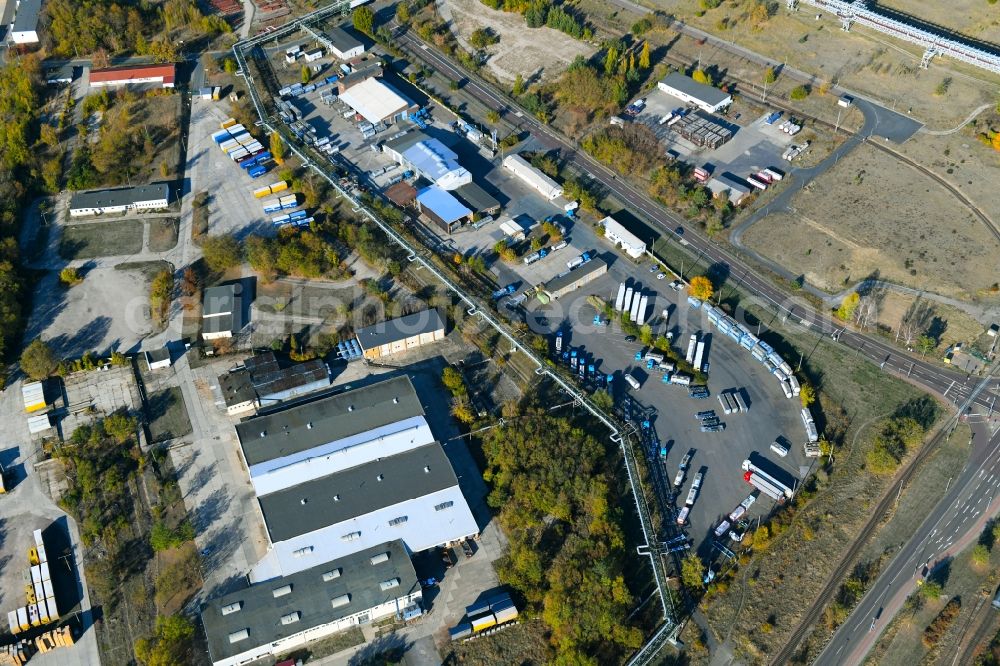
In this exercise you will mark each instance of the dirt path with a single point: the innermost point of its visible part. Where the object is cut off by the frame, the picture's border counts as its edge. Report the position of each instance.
(969, 119)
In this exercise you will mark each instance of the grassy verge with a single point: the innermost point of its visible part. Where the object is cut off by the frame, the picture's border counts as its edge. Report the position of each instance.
(523, 644)
(163, 234)
(101, 239)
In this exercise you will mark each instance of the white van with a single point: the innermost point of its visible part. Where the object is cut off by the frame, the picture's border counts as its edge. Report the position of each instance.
(632, 381)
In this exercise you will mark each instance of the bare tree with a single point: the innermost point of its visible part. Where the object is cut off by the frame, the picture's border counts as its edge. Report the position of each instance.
(915, 322)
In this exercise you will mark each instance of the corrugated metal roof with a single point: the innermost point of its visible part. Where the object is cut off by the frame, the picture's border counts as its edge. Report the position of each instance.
(562, 281)
(400, 328)
(303, 427)
(356, 492)
(219, 300)
(312, 595)
(476, 197)
(433, 159)
(442, 204)
(132, 72)
(26, 15)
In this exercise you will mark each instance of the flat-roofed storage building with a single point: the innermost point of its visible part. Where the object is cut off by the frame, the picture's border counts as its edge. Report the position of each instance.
(120, 200)
(397, 335)
(344, 471)
(272, 618)
(686, 89)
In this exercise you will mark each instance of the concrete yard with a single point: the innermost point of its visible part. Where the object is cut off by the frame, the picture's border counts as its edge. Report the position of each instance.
(108, 311)
(231, 204)
(754, 145)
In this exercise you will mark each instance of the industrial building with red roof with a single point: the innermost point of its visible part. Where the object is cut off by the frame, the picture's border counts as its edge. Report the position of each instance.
(132, 74)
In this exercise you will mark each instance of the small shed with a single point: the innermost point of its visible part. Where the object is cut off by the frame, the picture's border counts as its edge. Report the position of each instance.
(157, 359)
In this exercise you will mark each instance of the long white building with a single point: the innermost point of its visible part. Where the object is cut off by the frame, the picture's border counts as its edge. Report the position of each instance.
(534, 178)
(618, 235)
(120, 200)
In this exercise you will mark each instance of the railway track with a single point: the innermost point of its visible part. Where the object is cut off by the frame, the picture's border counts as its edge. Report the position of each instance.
(847, 560)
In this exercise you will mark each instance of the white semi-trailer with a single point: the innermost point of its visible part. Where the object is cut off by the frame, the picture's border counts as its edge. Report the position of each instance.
(692, 345)
(621, 297)
(766, 483)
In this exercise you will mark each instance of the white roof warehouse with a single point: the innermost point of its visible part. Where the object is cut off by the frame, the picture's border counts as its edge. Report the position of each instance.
(377, 101)
(345, 472)
(706, 98)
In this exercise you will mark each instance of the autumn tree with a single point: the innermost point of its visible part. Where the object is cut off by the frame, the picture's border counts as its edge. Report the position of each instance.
(518, 88)
(848, 306)
(701, 76)
(70, 276)
(701, 287)
(644, 56)
(799, 93)
(364, 20)
(221, 252)
(38, 361)
(277, 148)
(160, 292)
(693, 572)
(807, 394)
(770, 76)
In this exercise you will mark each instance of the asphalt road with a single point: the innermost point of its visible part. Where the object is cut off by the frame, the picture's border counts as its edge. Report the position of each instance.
(955, 523)
(953, 386)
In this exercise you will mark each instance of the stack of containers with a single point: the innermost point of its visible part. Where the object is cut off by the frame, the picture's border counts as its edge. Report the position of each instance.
(41, 608)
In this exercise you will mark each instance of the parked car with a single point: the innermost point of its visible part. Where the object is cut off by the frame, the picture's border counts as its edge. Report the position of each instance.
(467, 548)
(660, 276)
(630, 338)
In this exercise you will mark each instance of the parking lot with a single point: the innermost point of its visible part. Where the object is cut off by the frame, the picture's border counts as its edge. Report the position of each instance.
(669, 409)
(232, 206)
(754, 145)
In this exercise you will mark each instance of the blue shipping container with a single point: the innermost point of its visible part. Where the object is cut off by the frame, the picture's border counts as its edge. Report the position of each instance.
(290, 205)
(274, 208)
(257, 171)
(332, 79)
(298, 215)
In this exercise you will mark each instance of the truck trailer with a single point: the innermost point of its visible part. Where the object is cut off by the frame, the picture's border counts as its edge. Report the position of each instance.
(764, 482)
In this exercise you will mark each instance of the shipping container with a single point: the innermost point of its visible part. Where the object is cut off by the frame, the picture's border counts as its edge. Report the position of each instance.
(297, 215)
(23, 621)
(220, 136)
(12, 622)
(775, 174)
(740, 402)
(699, 355)
(748, 341)
(36, 574)
(257, 171)
(786, 388)
(643, 309)
(227, 123)
(262, 192)
(756, 182)
(271, 206)
(680, 379)
(459, 632)
(279, 186)
(483, 622)
(627, 303)
(505, 613)
(727, 406)
(239, 154)
(692, 348)
(620, 300)
(280, 219)
(47, 589)
(243, 138)
(758, 353)
(236, 128)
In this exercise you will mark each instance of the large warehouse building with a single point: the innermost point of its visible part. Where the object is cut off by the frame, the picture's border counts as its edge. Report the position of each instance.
(689, 91)
(343, 44)
(273, 618)
(441, 208)
(133, 75)
(377, 102)
(347, 471)
(615, 232)
(535, 179)
(120, 200)
(396, 335)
